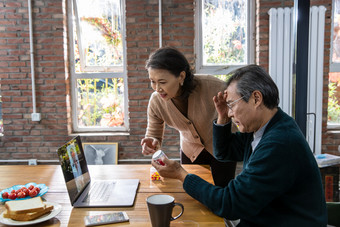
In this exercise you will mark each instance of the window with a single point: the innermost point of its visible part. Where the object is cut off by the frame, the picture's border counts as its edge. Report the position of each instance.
(1, 120)
(334, 75)
(224, 37)
(98, 65)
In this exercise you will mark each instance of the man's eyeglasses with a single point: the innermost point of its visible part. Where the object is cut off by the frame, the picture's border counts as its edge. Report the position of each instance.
(231, 104)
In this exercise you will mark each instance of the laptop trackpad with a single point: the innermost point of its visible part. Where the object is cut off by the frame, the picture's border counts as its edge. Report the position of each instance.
(121, 193)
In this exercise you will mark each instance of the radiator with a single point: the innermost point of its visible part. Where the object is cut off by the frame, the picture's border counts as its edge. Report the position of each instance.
(281, 56)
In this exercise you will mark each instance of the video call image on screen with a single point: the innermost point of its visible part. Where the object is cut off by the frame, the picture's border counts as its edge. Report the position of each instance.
(74, 167)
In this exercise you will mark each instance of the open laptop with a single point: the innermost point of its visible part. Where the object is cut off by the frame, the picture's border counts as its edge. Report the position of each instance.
(83, 191)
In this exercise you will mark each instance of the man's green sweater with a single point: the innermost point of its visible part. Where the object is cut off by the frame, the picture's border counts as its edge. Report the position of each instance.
(280, 184)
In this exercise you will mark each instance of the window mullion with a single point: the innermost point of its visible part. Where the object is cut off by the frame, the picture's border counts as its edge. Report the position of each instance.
(250, 30)
(79, 39)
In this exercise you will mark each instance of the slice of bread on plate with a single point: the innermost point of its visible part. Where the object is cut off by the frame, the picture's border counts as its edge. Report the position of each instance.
(28, 216)
(25, 206)
(26, 210)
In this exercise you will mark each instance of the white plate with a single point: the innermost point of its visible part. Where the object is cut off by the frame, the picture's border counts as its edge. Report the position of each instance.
(56, 210)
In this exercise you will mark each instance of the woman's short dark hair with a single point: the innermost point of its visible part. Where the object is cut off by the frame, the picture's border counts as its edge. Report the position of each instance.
(254, 77)
(172, 60)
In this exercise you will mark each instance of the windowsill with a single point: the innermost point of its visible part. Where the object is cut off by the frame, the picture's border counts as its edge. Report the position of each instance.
(100, 134)
(333, 131)
(333, 128)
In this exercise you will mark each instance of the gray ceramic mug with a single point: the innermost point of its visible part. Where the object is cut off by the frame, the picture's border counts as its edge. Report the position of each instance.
(160, 209)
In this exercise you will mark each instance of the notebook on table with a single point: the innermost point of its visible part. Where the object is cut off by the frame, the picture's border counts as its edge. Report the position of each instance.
(86, 192)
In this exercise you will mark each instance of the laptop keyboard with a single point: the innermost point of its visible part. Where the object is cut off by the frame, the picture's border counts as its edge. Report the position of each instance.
(100, 191)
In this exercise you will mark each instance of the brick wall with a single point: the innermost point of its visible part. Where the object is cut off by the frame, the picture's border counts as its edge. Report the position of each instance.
(24, 139)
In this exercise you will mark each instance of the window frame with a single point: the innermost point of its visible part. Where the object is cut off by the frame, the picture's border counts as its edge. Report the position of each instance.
(1, 115)
(223, 69)
(74, 76)
(333, 67)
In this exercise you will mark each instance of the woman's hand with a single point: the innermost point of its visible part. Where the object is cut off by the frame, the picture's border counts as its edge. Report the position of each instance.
(221, 107)
(150, 145)
(171, 169)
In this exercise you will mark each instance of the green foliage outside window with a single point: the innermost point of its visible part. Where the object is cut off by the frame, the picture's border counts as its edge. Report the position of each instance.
(333, 105)
(105, 48)
(223, 77)
(100, 102)
(224, 32)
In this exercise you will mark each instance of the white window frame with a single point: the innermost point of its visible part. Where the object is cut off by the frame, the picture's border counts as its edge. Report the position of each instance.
(333, 66)
(223, 69)
(101, 75)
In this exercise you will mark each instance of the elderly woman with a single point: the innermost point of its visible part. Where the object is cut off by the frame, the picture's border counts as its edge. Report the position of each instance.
(184, 102)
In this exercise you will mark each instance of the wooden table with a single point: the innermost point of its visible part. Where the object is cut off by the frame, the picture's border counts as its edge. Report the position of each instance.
(195, 214)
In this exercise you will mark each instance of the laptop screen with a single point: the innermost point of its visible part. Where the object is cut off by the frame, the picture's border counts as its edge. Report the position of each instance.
(74, 167)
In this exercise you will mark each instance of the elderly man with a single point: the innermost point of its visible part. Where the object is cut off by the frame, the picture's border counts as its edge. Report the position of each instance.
(280, 184)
